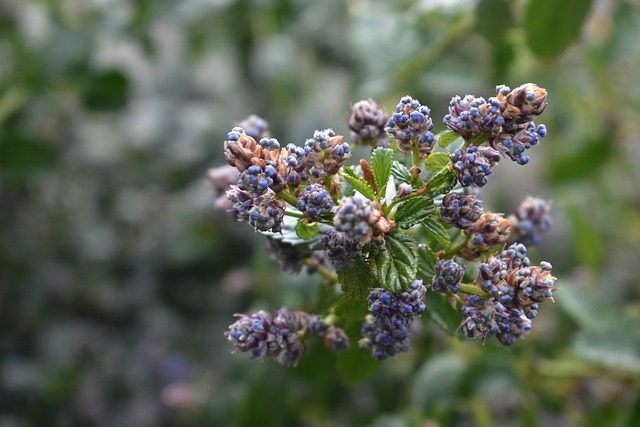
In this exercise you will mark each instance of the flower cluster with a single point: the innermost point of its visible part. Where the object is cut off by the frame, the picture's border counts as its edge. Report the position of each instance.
(410, 126)
(502, 125)
(291, 259)
(530, 219)
(515, 290)
(386, 331)
(448, 276)
(375, 225)
(359, 219)
(460, 211)
(367, 123)
(281, 335)
(327, 153)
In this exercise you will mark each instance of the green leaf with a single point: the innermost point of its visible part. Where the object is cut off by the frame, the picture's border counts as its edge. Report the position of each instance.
(552, 25)
(22, 154)
(108, 90)
(437, 230)
(426, 263)
(381, 163)
(355, 364)
(400, 172)
(587, 240)
(495, 18)
(447, 138)
(355, 279)
(307, 230)
(359, 184)
(437, 161)
(437, 382)
(413, 211)
(442, 183)
(396, 265)
(440, 310)
(589, 160)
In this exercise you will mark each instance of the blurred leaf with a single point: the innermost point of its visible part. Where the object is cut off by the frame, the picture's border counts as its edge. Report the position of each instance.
(381, 163)
(589, 160)
(21, 154)
(587, 241)
(413, 211)
(108, 90)
(396, 264)
(437, 161)
(437, 230)
(440, 310)
(400, 172)
(442, 183)
(494, 18)
(355, 364)
(426, 262)
(552, 25)
(437, 381)
(615, 350)
(307, 230)
(359, 184)
(356, 279)
(447, 138)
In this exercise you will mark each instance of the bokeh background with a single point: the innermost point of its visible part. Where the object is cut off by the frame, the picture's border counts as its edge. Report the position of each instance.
(118, 278)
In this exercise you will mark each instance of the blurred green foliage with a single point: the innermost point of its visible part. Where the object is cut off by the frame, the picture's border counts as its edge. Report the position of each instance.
(118, 278)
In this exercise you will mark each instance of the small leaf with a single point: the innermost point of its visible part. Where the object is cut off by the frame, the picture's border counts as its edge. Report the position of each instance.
(414, 210)
(437, 161)
(479, 139)
(440, 310)
(358, 183)
(552, 25)
(437, 230)
(307, 230)
(355, 278)
(400, 172)
(426, 263)
(381, 163)
(447, 138)
(396, 265)
(442, 183)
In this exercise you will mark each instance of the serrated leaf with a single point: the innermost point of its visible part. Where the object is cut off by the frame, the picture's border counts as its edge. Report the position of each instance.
(355, 364)
(552, 25)
(381, 163)
(437, 161)
(442, 183)
(355, 279)
(400, 172)
(395, 266)
(359, 184)
(440, 310)
(447, 138)
(437, 230)
(307, 230)
(413, 211)
(426, 263)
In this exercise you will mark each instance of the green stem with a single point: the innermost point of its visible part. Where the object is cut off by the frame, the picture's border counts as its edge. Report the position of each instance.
(324, 272)
(455, 249)
(415, 157)
(288, 197)
(470, 289)
(294, 214)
